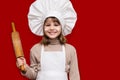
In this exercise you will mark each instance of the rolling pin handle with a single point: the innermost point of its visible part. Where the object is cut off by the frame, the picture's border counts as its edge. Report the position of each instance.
(22, 68)
(13, 27)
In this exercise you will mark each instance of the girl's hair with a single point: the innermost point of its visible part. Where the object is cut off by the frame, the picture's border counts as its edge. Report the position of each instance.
(46, 40)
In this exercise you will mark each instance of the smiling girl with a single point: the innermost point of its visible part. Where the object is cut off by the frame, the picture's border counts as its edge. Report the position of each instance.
(52, 58)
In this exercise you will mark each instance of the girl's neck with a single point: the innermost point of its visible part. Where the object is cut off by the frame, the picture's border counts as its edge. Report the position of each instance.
(54, 41)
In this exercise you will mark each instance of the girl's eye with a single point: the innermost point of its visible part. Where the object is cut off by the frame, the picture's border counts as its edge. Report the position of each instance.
(47, 25)
(56, 24)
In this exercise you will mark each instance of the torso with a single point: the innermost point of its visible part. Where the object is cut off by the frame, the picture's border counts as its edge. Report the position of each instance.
(52, 65)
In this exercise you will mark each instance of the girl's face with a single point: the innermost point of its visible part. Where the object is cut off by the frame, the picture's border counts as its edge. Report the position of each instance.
(52, 28)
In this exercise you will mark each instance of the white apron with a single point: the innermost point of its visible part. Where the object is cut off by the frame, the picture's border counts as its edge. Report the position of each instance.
(52, 65)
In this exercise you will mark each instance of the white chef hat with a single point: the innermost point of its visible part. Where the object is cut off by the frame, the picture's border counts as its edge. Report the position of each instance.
(61, 9)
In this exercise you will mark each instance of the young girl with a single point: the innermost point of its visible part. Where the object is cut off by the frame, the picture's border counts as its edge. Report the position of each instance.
(53, 58)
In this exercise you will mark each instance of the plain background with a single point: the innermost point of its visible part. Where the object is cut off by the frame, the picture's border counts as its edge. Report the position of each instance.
(95, 37)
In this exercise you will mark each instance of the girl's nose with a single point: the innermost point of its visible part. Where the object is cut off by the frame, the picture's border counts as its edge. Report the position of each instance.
(51, 27)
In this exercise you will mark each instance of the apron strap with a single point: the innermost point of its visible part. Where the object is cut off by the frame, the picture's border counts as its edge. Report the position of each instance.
(63, 49)
(42, 48)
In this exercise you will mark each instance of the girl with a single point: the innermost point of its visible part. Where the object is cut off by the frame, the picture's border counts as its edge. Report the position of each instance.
(52, 58)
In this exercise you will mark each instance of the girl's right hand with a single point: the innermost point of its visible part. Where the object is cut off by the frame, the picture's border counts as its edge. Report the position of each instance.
(20, 61)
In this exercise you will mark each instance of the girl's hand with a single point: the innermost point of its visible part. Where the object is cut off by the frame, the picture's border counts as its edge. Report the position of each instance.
(20, 61)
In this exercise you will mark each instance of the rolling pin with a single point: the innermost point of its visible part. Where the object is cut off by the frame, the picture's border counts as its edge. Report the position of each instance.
(17, 45)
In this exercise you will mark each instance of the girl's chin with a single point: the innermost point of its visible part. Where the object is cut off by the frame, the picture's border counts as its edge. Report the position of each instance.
(52, 37)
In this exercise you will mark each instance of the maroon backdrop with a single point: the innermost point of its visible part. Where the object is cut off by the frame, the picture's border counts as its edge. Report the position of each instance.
(95, 36)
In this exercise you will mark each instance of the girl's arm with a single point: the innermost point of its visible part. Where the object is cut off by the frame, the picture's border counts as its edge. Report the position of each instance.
(74, 70)
(31, 71)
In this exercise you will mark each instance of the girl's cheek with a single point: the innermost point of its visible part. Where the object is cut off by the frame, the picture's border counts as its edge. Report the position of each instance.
(45, 29)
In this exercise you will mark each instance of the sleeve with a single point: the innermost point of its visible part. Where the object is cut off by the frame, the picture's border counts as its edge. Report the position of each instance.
(32, 70)
(74, 70)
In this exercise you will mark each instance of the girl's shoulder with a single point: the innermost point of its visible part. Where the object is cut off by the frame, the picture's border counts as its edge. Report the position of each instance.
(70, 47)
(36, 46)
(70, 51)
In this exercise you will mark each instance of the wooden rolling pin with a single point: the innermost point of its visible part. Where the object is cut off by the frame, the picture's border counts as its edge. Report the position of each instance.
(17, 45)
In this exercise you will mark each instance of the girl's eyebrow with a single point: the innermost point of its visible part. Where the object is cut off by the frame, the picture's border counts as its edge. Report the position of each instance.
(47, 22)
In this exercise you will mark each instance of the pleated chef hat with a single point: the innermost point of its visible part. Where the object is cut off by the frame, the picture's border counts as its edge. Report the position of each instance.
(61, 9)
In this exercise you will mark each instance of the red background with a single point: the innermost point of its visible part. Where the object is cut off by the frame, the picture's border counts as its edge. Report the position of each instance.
(96, 38)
